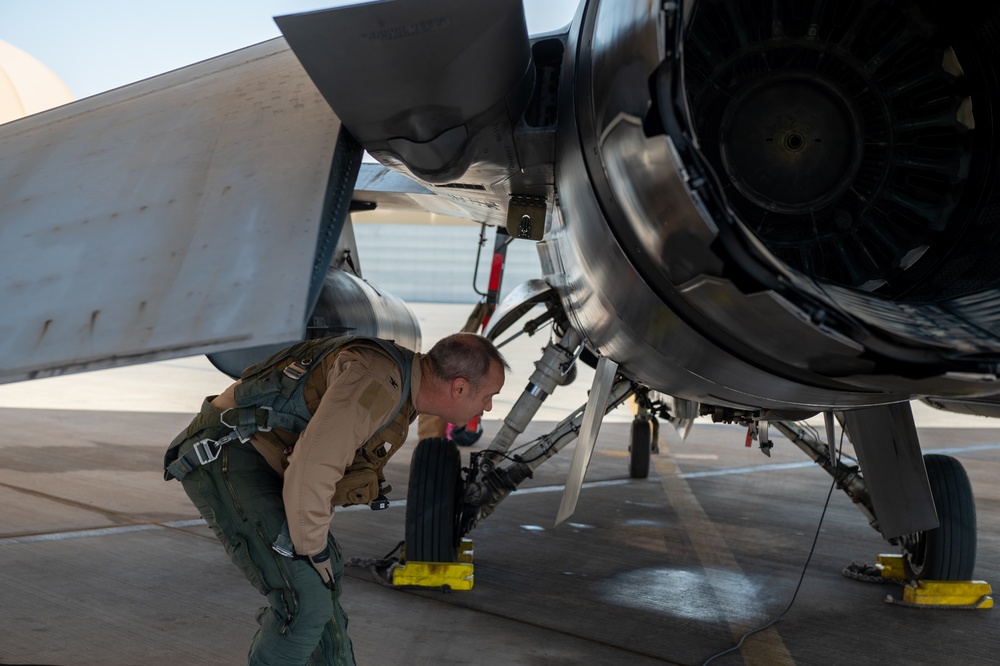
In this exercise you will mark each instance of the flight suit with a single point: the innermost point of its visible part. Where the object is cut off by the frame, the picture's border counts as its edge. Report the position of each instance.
(254, 489)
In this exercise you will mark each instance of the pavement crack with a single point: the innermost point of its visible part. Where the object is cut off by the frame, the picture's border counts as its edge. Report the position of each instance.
(115, 516)
(118, 518)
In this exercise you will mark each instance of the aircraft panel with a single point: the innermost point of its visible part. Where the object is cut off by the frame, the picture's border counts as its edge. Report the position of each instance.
(153, 221)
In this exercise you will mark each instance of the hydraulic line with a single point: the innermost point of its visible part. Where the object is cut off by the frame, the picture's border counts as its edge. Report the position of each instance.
(555, 363)
(489, 483)
(847, 477)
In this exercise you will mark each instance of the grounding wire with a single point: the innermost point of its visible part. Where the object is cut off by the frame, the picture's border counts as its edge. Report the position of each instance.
(802, 575)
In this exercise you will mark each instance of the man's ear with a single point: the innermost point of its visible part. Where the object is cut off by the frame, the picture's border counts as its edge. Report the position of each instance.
(459, 386)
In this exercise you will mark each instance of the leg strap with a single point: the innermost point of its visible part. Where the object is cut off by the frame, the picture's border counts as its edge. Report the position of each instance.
(199, 443)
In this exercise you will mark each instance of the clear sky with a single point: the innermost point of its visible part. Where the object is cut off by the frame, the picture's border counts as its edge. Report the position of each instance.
(97, 45)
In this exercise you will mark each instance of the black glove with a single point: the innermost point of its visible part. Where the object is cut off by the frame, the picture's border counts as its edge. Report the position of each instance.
(321, 563)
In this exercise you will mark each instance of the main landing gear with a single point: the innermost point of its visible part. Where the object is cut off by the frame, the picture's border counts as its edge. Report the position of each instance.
(433, 501)
(946, 552)
(444, 503)
(644, 434)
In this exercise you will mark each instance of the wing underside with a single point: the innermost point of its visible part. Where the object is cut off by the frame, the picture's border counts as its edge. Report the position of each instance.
(175, 216)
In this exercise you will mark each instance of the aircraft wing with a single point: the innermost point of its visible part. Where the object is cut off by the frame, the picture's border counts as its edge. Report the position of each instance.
(168, 217)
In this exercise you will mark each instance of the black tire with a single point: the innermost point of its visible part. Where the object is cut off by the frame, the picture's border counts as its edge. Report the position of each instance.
(948, 552)
(432, 502)
(639, 448)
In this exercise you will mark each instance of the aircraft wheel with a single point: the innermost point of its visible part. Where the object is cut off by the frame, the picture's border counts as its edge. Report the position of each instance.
(432, 502)
(948, 552)
(639, 448)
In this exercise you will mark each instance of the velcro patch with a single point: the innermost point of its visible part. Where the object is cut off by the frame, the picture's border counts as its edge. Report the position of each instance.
(376, 399)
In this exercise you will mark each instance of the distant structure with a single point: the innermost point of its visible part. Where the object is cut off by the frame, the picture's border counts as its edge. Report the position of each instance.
(446, 267)
(26, 85)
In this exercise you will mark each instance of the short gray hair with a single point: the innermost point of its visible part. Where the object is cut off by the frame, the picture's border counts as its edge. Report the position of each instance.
(465, 355)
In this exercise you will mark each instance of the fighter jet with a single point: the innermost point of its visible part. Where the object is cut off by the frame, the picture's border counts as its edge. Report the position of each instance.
(758, 212)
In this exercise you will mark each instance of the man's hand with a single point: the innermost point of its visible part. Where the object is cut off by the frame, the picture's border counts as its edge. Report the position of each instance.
(321, 563)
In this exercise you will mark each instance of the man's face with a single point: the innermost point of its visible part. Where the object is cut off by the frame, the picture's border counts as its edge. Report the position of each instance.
(469, 402)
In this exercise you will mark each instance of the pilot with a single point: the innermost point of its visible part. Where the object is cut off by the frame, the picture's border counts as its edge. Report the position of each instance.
(307, 429)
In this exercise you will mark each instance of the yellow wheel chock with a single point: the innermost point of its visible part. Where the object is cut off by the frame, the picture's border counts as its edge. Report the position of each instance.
(891, 566)
(447, 575)
(934, 593)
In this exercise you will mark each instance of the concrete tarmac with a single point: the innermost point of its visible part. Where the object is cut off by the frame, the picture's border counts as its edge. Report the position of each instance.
(102, 562)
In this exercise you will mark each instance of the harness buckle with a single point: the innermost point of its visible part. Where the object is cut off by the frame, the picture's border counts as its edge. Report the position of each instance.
(296, 369)
(246, 431)
(207, 450)
(222, 418)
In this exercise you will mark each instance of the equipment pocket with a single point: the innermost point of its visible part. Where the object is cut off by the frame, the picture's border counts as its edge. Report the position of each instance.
(239, 552)
(358, 486)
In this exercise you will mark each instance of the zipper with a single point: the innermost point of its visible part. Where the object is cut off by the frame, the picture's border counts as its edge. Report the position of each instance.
(290, 609)
(229, 485)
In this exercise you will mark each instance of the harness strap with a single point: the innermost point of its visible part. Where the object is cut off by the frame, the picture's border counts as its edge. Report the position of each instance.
(249, 420)
(203, 452)
(204, 425)
(243, 422)
(263, 405)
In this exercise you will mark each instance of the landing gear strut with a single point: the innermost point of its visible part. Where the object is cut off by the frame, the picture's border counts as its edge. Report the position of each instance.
(442, 507)
(640, 446)
(644, 435)
(494, 473)
(944, 553)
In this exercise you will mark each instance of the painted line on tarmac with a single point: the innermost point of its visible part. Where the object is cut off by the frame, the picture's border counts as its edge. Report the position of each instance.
(715, 555)
(125, 529)
(965, 449)
(808, 463)
(559, 488)
(746, 470)
(102, 531)
(178, 524)
(58, 536)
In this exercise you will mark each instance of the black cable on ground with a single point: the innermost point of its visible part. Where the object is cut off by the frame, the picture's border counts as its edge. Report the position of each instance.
(812, 549)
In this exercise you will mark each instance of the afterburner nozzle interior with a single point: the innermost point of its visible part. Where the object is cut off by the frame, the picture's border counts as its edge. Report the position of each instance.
(857, 140)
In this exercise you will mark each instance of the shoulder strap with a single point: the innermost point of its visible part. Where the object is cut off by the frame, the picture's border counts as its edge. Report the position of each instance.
(404, 359)
(270, 392)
